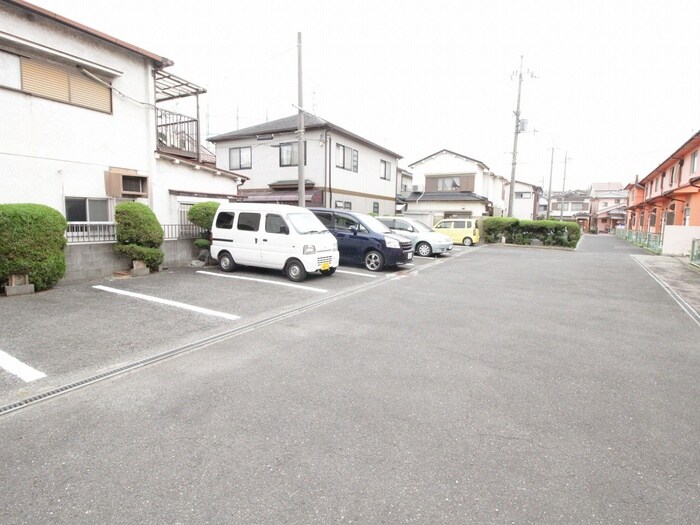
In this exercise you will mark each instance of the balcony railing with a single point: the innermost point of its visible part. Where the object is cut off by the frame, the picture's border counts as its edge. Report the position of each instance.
(97, 232)
(177, 133)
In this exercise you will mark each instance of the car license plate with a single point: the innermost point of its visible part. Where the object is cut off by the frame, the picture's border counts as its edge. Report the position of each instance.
(410, 256)
(325, 266)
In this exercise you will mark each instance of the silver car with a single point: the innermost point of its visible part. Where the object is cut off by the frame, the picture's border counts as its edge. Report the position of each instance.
(426, 241)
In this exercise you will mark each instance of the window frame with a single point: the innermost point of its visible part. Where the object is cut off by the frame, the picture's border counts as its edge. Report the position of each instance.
(440, 181)
(384, 170)
(240, 166)
(87, 201)
(292, 144)
(354, 158)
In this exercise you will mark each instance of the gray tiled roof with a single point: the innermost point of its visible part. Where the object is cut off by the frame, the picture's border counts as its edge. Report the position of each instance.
(433, 196)
(287, 124)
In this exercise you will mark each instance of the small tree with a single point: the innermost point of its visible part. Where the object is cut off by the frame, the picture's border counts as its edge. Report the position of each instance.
(139, 234)
(202, 215)
(32, 240)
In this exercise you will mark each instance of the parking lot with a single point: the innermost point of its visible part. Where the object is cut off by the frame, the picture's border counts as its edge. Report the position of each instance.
(76, 331)
(493, 385)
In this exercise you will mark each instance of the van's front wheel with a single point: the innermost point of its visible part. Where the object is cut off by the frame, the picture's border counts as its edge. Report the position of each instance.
(374, 261)
(295, 271)
(226, 262)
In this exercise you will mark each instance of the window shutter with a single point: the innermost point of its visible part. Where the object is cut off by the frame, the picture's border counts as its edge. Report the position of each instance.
(89, 93)
(45, 80)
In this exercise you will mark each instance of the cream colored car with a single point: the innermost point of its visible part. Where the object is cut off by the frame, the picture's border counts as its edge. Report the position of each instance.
(462, 231)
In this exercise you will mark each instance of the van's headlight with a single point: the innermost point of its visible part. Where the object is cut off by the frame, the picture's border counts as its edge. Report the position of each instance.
(335, 246)
(309, 249)
(391, 243)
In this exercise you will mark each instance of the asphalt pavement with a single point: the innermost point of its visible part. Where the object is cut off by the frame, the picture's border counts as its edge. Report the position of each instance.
(496, 385)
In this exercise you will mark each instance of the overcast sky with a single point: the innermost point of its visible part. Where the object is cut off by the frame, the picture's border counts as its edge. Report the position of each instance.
(616, 83)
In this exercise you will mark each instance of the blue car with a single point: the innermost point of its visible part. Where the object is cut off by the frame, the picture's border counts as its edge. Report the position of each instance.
(362, 239)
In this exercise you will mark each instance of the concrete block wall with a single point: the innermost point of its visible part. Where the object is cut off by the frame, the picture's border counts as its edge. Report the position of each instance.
(94, 261)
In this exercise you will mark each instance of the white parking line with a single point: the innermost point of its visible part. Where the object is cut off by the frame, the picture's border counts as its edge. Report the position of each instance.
(370, 275)
(167, 302)
(278, 283)
(18, 368)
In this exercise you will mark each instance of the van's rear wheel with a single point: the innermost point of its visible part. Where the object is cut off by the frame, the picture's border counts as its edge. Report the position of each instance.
(226, 262)
(467, 241)
(374, 261)
(295, 271)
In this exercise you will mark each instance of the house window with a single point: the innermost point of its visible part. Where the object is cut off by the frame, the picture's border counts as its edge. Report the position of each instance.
(556, 206)
(289, 154)
(617, 201)
(523, 194)
(346, 158)
(57, 82)
(448, 183)
(240, 158)
(577, 206)
(686, 216)
(671, 215)
(80, 209)
(384, 170)
(375, 208)
(347, 205)
(652, 218)
(693, 162)
(656, 184)
(673, 176)
(604, 205)
(339, 204)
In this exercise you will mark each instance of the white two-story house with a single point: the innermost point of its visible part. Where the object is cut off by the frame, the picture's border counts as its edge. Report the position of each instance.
(84, 126)
(448, 184)
(528, 201)
(341, 170)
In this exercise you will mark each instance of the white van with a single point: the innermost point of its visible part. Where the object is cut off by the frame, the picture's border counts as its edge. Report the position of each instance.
(277, 236)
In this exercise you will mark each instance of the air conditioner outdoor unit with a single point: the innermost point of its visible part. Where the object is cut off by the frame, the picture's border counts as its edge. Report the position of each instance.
(417, 187)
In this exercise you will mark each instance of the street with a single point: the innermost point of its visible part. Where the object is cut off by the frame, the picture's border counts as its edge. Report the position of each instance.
(493, 385)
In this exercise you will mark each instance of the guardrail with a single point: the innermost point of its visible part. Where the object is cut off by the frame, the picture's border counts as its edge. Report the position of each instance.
(97, 232)
(695, 253)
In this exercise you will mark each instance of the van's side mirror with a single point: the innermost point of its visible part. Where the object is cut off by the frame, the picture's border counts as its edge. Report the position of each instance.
(353, 229)
(284, 229)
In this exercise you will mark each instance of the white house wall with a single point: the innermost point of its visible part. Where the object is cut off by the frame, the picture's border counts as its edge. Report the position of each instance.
(361, 188)
(57, 149)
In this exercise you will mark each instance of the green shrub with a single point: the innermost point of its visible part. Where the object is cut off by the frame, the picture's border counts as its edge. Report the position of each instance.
(152, 257)
(497, 227)
(32, 240)
(202, 215)
(139, 229)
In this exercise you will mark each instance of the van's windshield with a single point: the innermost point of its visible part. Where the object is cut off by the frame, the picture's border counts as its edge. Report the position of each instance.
(306, 223)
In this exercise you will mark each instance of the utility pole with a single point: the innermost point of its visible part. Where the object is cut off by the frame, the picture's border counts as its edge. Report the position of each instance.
(518, 129)
(563, 188)
(300, 156)
(549, 191)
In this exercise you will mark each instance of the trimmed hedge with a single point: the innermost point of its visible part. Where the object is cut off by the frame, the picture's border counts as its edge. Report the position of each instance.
(202, 214)
(516, 231)
(139, 234)
(32, 240)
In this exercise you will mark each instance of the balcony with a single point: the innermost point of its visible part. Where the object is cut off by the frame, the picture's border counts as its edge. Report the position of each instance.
(176, 134)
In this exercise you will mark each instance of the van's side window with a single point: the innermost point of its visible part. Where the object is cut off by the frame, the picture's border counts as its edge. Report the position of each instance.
(249, 222)
(224, 220)
(459, 224)
(276, 224)
(343, 222)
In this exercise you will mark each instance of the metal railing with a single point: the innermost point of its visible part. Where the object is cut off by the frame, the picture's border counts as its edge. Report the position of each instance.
(177, 133)
(651, 241)
(695, 253)
(97, 232)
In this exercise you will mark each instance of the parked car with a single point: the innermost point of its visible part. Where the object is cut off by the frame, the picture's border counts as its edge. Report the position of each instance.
(426, 241)
(463, 231)
(362, 239)
(277, 236)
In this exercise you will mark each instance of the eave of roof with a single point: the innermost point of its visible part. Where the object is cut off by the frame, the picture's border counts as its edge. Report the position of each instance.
(434, 196)
(26, 6)
(450, 153)
(289, 124)
(201, 166)
(692, 142)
